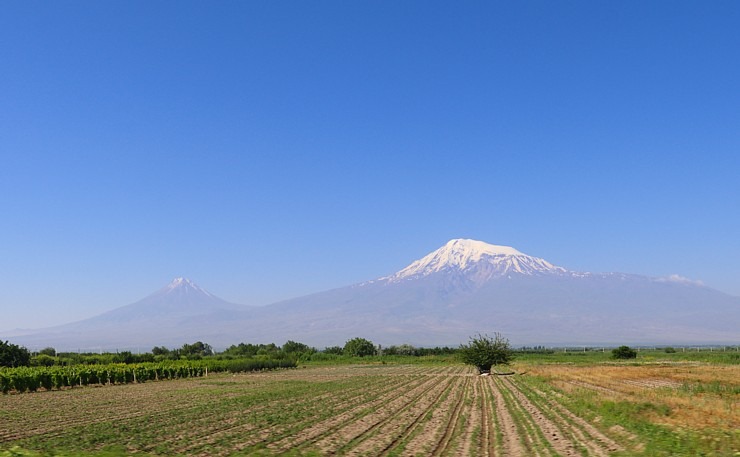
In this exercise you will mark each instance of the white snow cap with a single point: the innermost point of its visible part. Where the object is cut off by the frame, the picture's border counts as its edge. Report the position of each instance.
(185, 284)
(182, 282)
(462, 254)
(474, 249)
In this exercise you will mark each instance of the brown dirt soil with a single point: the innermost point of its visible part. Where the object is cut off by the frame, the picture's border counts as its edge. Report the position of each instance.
(347, 410)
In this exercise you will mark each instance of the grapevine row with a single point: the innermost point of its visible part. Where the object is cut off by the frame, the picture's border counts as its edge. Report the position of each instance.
(31, 379)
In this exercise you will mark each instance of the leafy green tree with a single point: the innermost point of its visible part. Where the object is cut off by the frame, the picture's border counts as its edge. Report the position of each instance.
(624, 352)
(358, 347)
(484, 351)
(337, 350)
(406, 349)
(51, 352)
(12, 355)
(43, 360)
(242, 350)
(124, 357)
(292, 347)
(268, 349)
(160, 350)
(196, 350)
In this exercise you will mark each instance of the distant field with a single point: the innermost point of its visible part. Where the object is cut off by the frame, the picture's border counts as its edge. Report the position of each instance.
(556, 407)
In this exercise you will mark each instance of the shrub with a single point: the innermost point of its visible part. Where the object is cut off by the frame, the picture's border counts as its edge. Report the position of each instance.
(42, 360)
(336, 350)
(12, 355)
(624, 352)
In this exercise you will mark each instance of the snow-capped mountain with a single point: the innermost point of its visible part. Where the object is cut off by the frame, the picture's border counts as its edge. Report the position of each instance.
(462, 288)
(482, 261)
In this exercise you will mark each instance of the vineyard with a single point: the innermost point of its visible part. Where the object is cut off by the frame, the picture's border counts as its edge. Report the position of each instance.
(391, 410)
(31, 379)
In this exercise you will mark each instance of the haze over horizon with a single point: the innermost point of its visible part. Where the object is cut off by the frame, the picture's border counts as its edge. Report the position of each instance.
(269, 152)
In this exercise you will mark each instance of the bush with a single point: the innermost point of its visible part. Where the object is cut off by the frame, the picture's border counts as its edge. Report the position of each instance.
(293, 347)
(335, 350)
(359, 347)
(12, 355)
(483, 352)
(43, 360)
(624, 352)
(51, 352)
(670, 350)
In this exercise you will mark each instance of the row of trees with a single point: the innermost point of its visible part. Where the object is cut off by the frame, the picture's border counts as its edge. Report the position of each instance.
(193, 351)
(481, 351)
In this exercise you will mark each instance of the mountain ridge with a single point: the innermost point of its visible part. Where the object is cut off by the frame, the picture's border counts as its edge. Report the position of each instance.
(462, 288)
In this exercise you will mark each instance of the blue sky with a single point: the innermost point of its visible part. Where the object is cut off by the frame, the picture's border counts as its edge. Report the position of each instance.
(273, 149)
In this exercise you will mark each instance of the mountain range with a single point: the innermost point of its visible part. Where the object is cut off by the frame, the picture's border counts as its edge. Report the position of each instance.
(464, 287)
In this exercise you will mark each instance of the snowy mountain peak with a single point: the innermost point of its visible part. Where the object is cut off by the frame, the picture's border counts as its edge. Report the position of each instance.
(474, 249)
(483, 259)
(181, 282)
(184, 284)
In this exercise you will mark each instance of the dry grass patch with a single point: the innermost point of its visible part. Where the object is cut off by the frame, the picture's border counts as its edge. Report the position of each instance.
(693, 395)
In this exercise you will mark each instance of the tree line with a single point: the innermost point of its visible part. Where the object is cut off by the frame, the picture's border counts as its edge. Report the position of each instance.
(12, 355)
(479, 352)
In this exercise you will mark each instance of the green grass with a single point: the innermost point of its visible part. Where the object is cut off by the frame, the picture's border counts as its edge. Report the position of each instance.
(643, 356)
(572, 356)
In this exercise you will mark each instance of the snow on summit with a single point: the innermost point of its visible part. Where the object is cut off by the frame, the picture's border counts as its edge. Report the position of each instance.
(466, 255)
(184, 285)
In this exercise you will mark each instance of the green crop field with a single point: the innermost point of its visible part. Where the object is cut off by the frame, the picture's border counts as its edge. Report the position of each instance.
(556, 404)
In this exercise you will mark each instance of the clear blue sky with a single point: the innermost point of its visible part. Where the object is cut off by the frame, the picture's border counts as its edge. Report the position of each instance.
(272, 149)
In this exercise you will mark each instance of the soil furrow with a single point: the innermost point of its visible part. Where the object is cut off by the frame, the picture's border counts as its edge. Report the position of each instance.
(342, 403)
(551, 431)
(531, 435)
(429, 427)
(591, 437)
(453, 422)
(319, 430)
(409, 413)
(511, 443)
(472, 441)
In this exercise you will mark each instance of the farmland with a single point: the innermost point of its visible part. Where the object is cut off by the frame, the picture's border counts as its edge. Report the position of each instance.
(569, 409)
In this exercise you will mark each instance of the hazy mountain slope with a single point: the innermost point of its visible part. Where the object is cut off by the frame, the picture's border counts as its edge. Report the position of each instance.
(173, 315)
(181, 298)
(466, 286)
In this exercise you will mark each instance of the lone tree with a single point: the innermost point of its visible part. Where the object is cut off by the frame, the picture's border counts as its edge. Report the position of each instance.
(624, 352)
(483, 352)
(358, 347)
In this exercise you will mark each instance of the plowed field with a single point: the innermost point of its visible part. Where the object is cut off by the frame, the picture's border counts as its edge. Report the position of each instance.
(349, 410)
